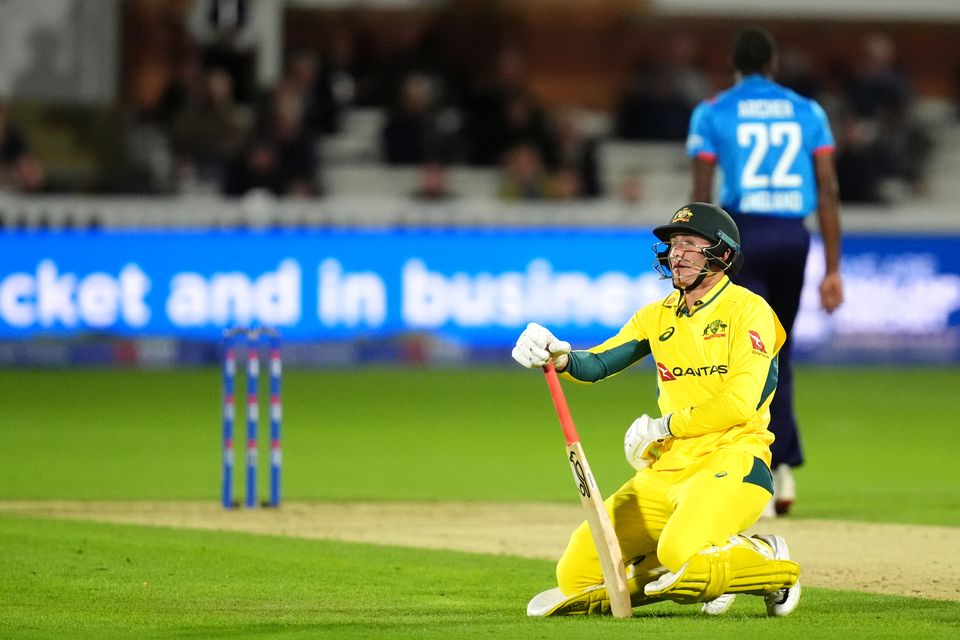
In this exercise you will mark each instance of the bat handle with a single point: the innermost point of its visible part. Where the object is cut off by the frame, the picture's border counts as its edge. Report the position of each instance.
(560, 403)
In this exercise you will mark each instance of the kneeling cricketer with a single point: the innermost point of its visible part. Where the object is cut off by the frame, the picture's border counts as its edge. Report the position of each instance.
(703, 465)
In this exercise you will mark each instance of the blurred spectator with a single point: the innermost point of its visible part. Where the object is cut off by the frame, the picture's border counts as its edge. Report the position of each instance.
(257, 169)
(662, 94)
(209, 135)
(433, 183)
(875, 83)
(796, 72)
(908, 146)
(413, 49)
(297, 151)
(282, 157)
(185, 88)
(353, 53)
(880, 97)
(484, 106)
(336, 87)
(577, 154)
(860, 161)
(412, 133)
(652, 109)
(19, 167)
(524, 176)
(303, 79)
(566, 183)
(337, 83)
(525, 121)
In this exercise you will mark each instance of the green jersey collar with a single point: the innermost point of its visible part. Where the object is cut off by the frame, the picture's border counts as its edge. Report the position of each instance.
(710, 296)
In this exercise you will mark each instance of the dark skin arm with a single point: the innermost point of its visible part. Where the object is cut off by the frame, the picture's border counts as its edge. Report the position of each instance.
(828, 216)
(702, 180)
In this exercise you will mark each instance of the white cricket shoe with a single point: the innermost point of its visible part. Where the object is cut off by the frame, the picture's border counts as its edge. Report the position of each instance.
(718, 606)
(785, 489)
(592, 600)
(544, 602)
(782, 602)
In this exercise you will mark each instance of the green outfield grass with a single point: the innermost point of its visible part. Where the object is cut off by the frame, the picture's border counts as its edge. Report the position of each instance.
(83, 580)
(881, 446)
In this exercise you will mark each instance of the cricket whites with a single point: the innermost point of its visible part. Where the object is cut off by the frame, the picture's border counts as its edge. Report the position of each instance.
(604, 537)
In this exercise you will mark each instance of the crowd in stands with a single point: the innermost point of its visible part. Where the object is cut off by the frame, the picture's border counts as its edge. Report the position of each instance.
(224, 133)
(238, 140)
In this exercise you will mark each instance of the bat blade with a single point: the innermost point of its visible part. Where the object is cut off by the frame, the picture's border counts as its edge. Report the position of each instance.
(601, 528)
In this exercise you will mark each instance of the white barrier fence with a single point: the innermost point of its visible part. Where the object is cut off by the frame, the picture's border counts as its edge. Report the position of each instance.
(258, 210)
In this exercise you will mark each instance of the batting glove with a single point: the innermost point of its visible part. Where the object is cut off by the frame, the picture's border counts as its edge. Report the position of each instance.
(642, 436)
(536, 346)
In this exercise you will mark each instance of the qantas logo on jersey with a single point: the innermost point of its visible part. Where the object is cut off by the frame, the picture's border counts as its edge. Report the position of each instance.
(665, 374)
(715, 329)
(672, 373)
(757, 342)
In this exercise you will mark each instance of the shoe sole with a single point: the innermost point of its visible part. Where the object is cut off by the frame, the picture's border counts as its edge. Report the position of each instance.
(719, 606)
(791, 600)
(782, 507)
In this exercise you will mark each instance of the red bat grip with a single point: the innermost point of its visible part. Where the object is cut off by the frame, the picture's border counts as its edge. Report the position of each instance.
(560, 402)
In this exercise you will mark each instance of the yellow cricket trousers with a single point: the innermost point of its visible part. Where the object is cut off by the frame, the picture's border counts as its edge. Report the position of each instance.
(668, 516)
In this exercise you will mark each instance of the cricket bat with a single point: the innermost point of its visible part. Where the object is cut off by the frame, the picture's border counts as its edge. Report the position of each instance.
(604, 537)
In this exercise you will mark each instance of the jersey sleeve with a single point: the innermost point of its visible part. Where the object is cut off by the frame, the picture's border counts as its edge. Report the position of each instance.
(823, 137)
(613, 355)
(755, 343)
(700, 138)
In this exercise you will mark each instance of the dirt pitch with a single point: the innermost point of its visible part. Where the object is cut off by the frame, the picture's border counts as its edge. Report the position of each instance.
(878, 558)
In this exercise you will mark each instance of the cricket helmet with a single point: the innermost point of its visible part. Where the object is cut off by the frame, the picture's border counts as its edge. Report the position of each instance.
(708, 221)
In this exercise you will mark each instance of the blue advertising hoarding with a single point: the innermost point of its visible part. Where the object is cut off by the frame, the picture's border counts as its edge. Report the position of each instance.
(471, 287)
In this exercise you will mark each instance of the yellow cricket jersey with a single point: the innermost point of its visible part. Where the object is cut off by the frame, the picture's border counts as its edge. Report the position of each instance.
(716, 369)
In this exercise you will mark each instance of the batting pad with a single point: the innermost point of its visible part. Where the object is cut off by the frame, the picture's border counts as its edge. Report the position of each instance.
(743, 566)
(592, 600)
